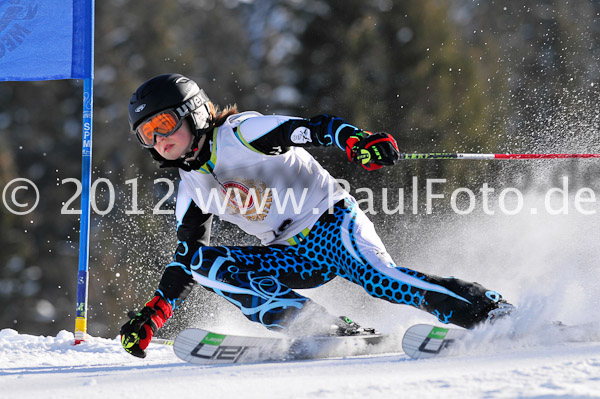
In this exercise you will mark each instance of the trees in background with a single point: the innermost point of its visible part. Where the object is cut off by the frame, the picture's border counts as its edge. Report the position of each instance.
(456, 76)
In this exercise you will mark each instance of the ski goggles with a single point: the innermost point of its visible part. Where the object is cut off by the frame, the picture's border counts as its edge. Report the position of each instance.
(162, 124)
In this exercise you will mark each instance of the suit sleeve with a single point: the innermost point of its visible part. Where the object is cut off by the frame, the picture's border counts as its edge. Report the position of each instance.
(193, 232)
(275, 134)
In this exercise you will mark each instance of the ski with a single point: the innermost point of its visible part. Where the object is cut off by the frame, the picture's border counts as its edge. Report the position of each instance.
(423, 341)
(204, 347)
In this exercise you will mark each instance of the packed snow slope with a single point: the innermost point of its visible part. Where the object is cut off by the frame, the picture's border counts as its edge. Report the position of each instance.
(533, 366)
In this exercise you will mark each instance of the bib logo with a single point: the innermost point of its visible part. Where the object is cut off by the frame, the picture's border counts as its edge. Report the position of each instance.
(15, 18)
(251, 199)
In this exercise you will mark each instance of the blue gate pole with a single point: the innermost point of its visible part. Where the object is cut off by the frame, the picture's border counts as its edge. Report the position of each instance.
(84, 229)
(85, 37)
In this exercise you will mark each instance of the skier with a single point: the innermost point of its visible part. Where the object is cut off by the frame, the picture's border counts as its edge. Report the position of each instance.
(242, 167)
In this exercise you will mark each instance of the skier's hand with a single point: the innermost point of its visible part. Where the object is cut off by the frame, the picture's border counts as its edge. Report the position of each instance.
(372, 151)
(137, 333)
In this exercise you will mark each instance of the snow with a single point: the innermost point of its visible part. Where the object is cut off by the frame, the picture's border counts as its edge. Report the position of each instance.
(546, 265)
(52, 367)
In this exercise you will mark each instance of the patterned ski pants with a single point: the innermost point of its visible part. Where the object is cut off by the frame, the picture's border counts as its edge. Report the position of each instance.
(260, 280)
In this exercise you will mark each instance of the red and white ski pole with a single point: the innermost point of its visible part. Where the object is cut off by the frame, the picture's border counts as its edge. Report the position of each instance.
(449, 155)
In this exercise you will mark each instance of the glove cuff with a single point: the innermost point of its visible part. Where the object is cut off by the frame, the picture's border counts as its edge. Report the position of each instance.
(163, 309)
(350, 143)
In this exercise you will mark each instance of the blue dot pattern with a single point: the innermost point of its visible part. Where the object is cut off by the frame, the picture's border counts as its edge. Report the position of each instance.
(264, 278)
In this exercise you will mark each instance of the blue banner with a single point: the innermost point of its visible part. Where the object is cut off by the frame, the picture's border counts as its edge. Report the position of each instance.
(46, 39)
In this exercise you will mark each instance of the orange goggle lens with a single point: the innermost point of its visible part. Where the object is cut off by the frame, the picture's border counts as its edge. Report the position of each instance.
(163, 124)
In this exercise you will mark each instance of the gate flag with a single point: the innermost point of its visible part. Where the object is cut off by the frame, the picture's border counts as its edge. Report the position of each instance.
(50, 40)
(46, 39)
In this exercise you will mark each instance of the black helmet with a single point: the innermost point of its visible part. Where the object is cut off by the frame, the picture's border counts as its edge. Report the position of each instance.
(170, 91)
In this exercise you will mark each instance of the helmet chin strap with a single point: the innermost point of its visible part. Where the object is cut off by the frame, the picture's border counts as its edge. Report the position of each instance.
(194, 151)
(197, 157)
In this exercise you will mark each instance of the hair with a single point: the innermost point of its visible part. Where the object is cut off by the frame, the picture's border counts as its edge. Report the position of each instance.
(218, 117)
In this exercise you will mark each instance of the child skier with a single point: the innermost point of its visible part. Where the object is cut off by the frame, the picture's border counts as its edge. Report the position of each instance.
(243, 167)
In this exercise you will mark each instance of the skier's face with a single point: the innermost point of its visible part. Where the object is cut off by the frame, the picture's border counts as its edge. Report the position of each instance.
(177, 144)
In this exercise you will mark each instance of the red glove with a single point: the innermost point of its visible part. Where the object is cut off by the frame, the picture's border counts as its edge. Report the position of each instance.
(137, 333)
(372, 151)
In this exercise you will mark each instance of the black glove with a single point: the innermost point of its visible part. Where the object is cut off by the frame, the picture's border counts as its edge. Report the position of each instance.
(372, 151)
(137, 333)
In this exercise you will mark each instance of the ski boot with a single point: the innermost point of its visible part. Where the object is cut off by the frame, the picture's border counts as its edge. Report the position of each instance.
(467, 305)
(503, 309)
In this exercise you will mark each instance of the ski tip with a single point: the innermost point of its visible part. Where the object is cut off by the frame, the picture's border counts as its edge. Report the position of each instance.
(424, 341)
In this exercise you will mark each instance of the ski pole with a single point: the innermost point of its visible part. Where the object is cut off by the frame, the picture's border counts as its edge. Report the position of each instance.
(162, 341)
(449, 155)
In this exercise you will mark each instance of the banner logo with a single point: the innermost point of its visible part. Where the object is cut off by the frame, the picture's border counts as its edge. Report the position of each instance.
(15, 18)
